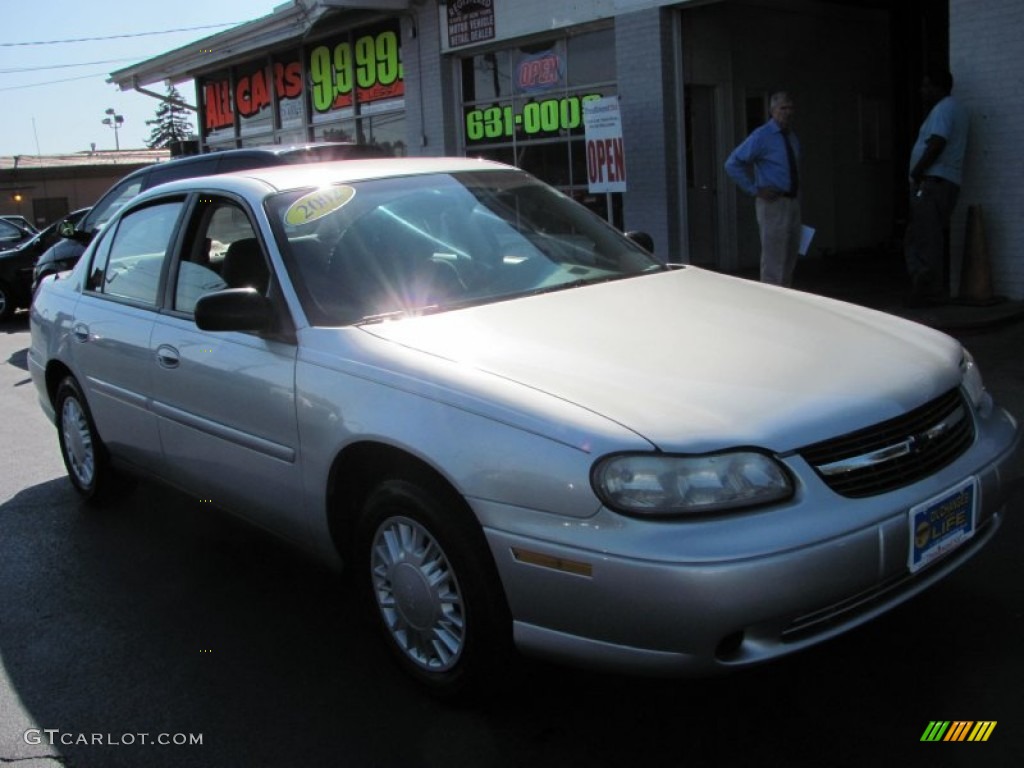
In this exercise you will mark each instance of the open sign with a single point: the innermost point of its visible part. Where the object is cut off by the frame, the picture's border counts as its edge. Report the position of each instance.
(606, 154)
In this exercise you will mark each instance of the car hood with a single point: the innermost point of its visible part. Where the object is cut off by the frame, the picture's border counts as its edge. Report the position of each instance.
(696, 361)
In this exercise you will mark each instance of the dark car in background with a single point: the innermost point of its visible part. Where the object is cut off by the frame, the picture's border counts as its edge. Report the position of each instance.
(16, 264)
(19, 220)
(64, 254)
(12, 235)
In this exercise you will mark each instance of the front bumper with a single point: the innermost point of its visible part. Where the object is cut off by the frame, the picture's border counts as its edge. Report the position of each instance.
(679, 598)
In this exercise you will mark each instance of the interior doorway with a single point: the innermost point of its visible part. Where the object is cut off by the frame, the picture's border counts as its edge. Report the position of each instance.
(701, 175)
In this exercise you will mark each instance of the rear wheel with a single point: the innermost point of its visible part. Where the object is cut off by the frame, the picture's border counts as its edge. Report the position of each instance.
(433, 585)
(84, 454)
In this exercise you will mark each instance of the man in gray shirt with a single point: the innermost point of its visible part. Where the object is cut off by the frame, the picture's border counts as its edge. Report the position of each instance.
(936, 172)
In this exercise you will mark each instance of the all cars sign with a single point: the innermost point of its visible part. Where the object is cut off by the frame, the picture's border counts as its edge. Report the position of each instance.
(606, 156)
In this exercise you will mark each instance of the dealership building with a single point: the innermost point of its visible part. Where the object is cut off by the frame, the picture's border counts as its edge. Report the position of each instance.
(510, 80)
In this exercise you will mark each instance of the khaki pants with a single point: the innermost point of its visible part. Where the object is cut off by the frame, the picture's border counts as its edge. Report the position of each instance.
(779, 225)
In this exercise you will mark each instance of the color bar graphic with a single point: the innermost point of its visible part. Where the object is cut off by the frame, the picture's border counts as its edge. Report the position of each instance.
(958, 730)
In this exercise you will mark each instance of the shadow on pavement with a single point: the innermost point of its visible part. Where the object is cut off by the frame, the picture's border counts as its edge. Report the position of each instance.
(158, 615)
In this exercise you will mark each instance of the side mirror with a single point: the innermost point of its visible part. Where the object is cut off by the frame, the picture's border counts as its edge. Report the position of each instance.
(66, 229)
(234, 309)
(642, 239)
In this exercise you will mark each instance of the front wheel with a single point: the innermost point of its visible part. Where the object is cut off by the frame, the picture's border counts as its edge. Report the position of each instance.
(434, 588)
(6, 301)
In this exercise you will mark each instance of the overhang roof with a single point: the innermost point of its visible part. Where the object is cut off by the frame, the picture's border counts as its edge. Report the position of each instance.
(84, 159)
(287, 22)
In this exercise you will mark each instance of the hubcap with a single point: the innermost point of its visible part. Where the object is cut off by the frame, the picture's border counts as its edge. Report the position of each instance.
(418, 594)
(78, 442)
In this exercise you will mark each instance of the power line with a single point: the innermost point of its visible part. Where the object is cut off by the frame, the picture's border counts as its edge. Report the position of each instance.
(65, 66)
(53, 82)
(118, 37)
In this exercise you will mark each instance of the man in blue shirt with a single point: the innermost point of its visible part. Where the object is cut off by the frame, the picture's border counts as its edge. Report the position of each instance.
(766, 166)
(936, 172)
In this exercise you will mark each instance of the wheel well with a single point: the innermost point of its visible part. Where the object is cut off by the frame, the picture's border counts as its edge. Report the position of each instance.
(360, 468)
(56, 372)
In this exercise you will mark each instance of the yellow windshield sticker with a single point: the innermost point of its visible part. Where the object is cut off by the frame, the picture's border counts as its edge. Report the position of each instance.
(317, 204)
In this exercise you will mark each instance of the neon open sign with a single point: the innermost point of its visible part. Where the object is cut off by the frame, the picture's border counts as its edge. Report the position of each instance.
(540, 72)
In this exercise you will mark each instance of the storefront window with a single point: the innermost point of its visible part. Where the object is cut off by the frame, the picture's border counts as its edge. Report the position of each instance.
(253, 99)
(486, 77)
(592, 58)
(343, 131)
(386, 131)
(353, 91)
(524, 106)
(354, 74)
(218, 108)
(289, 90)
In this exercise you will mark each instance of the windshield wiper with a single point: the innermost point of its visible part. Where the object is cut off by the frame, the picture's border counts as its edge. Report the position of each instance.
(399, 313)
(579, 283)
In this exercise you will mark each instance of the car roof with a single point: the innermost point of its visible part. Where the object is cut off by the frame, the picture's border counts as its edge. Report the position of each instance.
(283, 177)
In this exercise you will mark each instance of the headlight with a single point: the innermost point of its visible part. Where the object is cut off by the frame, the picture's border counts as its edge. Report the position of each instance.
(973, 386)
(661, 485)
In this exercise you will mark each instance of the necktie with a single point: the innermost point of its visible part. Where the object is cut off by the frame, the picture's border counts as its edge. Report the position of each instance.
(794, 176)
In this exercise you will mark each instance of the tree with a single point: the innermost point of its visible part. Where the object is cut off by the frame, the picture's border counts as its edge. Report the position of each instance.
(171, 122)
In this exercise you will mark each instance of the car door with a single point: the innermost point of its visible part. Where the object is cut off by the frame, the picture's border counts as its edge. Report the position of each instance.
(110, 332)
(225, 401)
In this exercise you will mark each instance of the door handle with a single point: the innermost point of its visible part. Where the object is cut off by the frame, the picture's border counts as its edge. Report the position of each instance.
(167, 356)
(80, 331)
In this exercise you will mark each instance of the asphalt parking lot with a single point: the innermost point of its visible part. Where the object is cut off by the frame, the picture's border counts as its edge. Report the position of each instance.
(162, 618)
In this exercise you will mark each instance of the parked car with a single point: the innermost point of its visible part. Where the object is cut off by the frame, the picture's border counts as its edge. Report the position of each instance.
(12, 235)
(64, 254)
(513, 423)
(16, 265)
(18, 220)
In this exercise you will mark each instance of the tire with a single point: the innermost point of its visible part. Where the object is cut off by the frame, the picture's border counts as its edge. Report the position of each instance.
(85, 457)
(6, 302)
(433, 587)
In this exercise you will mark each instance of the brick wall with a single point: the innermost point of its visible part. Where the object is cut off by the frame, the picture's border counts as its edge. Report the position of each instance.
(650, 126)
(987, 60)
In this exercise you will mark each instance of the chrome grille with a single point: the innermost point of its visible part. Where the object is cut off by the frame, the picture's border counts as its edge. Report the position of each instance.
(897, 452)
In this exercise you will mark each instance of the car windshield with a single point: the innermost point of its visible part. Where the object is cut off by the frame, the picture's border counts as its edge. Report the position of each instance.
(369, 250)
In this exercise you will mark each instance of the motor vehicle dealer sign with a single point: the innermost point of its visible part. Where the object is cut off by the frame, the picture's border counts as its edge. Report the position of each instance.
(606, 156)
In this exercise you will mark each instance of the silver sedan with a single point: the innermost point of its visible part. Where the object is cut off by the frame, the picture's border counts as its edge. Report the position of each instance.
(518, 427)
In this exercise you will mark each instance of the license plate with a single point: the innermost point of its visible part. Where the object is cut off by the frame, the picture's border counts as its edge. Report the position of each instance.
(942, 523)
